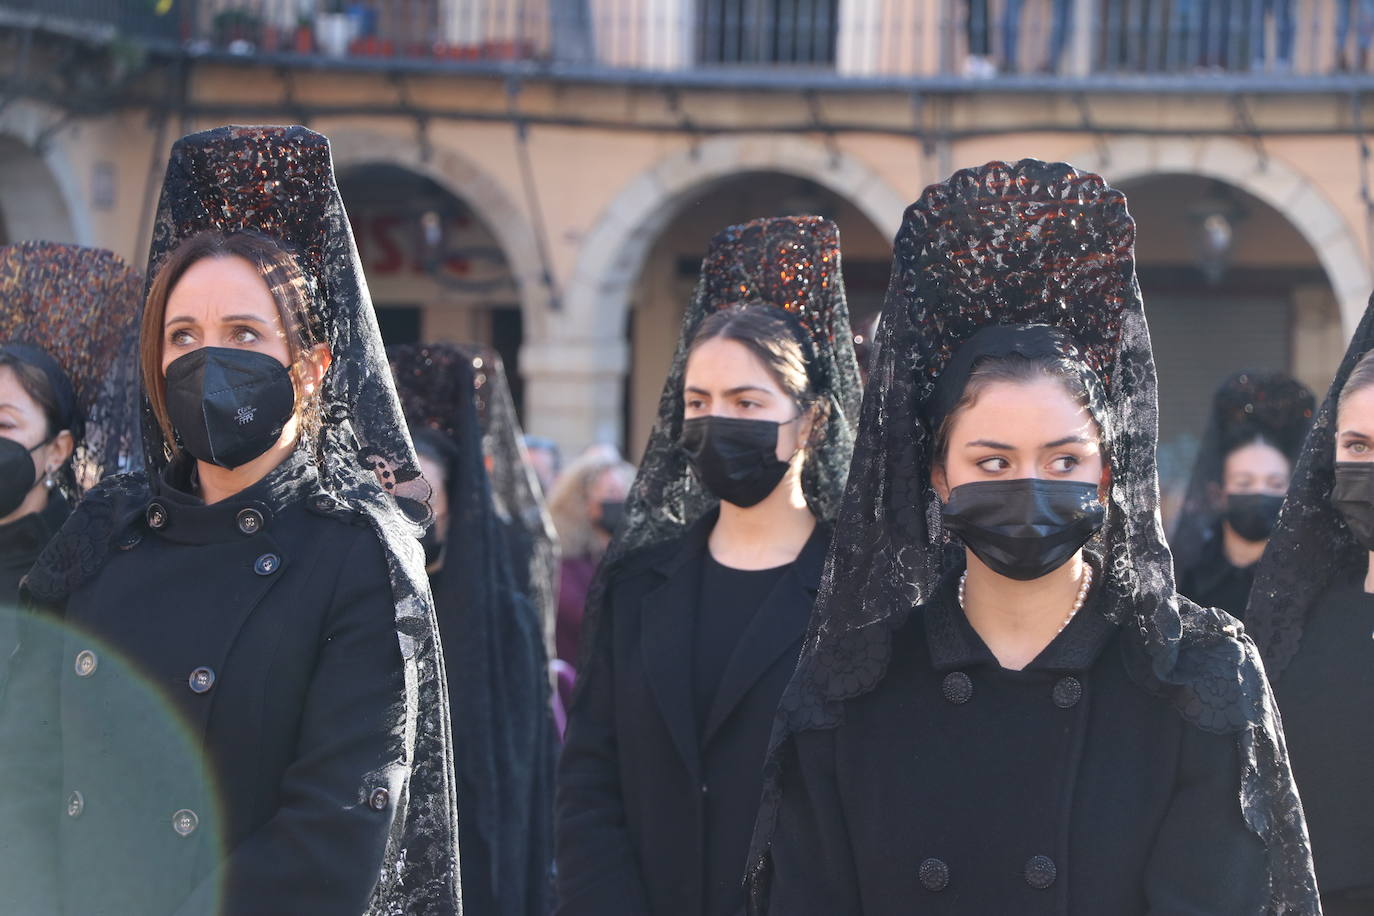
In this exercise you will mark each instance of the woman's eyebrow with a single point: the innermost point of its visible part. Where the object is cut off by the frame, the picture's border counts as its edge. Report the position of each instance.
(1075, 439)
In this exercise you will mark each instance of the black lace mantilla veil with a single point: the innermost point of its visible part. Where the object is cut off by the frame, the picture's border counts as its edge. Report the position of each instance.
(519, 500)
(1311, 544)
(791, 263)
(81, 306)
(1030, 243)
(280, 181)
(504, 738)
(1265, 402)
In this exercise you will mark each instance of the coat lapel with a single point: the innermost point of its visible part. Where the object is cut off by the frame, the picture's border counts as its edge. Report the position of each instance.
(668, 615)
(778, 624)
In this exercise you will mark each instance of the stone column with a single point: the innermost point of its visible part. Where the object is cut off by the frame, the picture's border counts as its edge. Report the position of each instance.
(574, 388)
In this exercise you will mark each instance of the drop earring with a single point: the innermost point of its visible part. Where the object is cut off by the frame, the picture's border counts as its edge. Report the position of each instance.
(49, 480)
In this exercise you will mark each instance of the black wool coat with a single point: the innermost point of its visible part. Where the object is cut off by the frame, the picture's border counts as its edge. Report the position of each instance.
(213, 722)
(654, 818)
(959, 787)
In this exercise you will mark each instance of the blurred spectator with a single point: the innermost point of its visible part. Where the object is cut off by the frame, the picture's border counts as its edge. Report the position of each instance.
(587, 502)
(1363, 16)
(978, 64)
(546, 460)
(1060, 26)
(1284, 31)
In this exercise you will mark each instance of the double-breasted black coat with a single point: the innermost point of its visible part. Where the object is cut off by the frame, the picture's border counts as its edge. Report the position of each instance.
(213, 722)
(956, 786)
(654, 818)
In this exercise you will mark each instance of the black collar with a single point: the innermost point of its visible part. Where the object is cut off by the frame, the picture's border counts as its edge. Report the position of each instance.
(175, 513)
(692, 545)
(955, 644)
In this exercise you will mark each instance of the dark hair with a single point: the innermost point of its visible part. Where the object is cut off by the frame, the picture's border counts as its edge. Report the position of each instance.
(775, 339)
(278, 269)
(36, 385)
(1017, 370)
(1361, 377)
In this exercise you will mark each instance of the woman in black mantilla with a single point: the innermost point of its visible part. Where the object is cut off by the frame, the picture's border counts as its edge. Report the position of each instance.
(230, 697)
(1312, 615)
(696, 616)
(1259, 419)
(68, 318)
(493, 640)
(1053, 729)
(520, 509)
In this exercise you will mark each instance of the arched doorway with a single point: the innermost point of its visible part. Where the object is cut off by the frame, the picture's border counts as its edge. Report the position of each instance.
(1229, 284)
(435, 269)
(32, 205)
(668, 278)
(576, 369)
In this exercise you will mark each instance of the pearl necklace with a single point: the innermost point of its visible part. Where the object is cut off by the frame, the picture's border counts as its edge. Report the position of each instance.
(1077, 604)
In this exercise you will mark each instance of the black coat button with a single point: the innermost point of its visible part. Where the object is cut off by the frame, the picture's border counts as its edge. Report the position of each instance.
(1067, 692)
(378, 799)
(267, 564)
(250, 521)
(934, 875)
(86, 663)
(129, 540)
(957, 687)
(76, 803)
(157, 516)
(1040, 872)
(201, 680)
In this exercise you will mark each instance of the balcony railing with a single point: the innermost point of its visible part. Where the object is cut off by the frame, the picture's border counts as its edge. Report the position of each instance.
(744, 39)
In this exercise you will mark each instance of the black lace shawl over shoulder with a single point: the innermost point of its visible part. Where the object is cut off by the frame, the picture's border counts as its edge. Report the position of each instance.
(279, 181)
(519, 501)
(1311, 545)
(1026, 243)
(792, 263)
(504, 739)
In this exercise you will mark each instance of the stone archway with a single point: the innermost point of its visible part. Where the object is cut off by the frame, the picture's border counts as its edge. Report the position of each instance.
(575, 379)
(1337, 245)
(463, 179)
(39, 190)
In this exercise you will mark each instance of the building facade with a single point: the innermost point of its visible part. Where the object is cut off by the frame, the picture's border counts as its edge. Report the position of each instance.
(543, 176)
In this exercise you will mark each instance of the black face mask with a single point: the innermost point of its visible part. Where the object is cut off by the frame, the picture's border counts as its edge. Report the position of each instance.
(18, 474)
(612, 514)
(1024, 528)
(736, 460)
(1353, 497)
(1253, 515)
(228, 406)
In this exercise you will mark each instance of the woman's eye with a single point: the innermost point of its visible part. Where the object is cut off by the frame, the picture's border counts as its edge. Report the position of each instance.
(245, 335)
(746, 404)
(994, 464)
(180, 338)
(694, 403)
(1357, 448)
(1064, 463)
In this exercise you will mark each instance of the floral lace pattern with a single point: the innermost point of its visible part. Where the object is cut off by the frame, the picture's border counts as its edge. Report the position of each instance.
(1025, 243)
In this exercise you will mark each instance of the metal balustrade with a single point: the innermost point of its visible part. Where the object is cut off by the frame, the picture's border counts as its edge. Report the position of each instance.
(754, 39)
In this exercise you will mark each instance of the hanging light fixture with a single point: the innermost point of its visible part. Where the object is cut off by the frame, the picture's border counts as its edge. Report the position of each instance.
(1216, 218)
